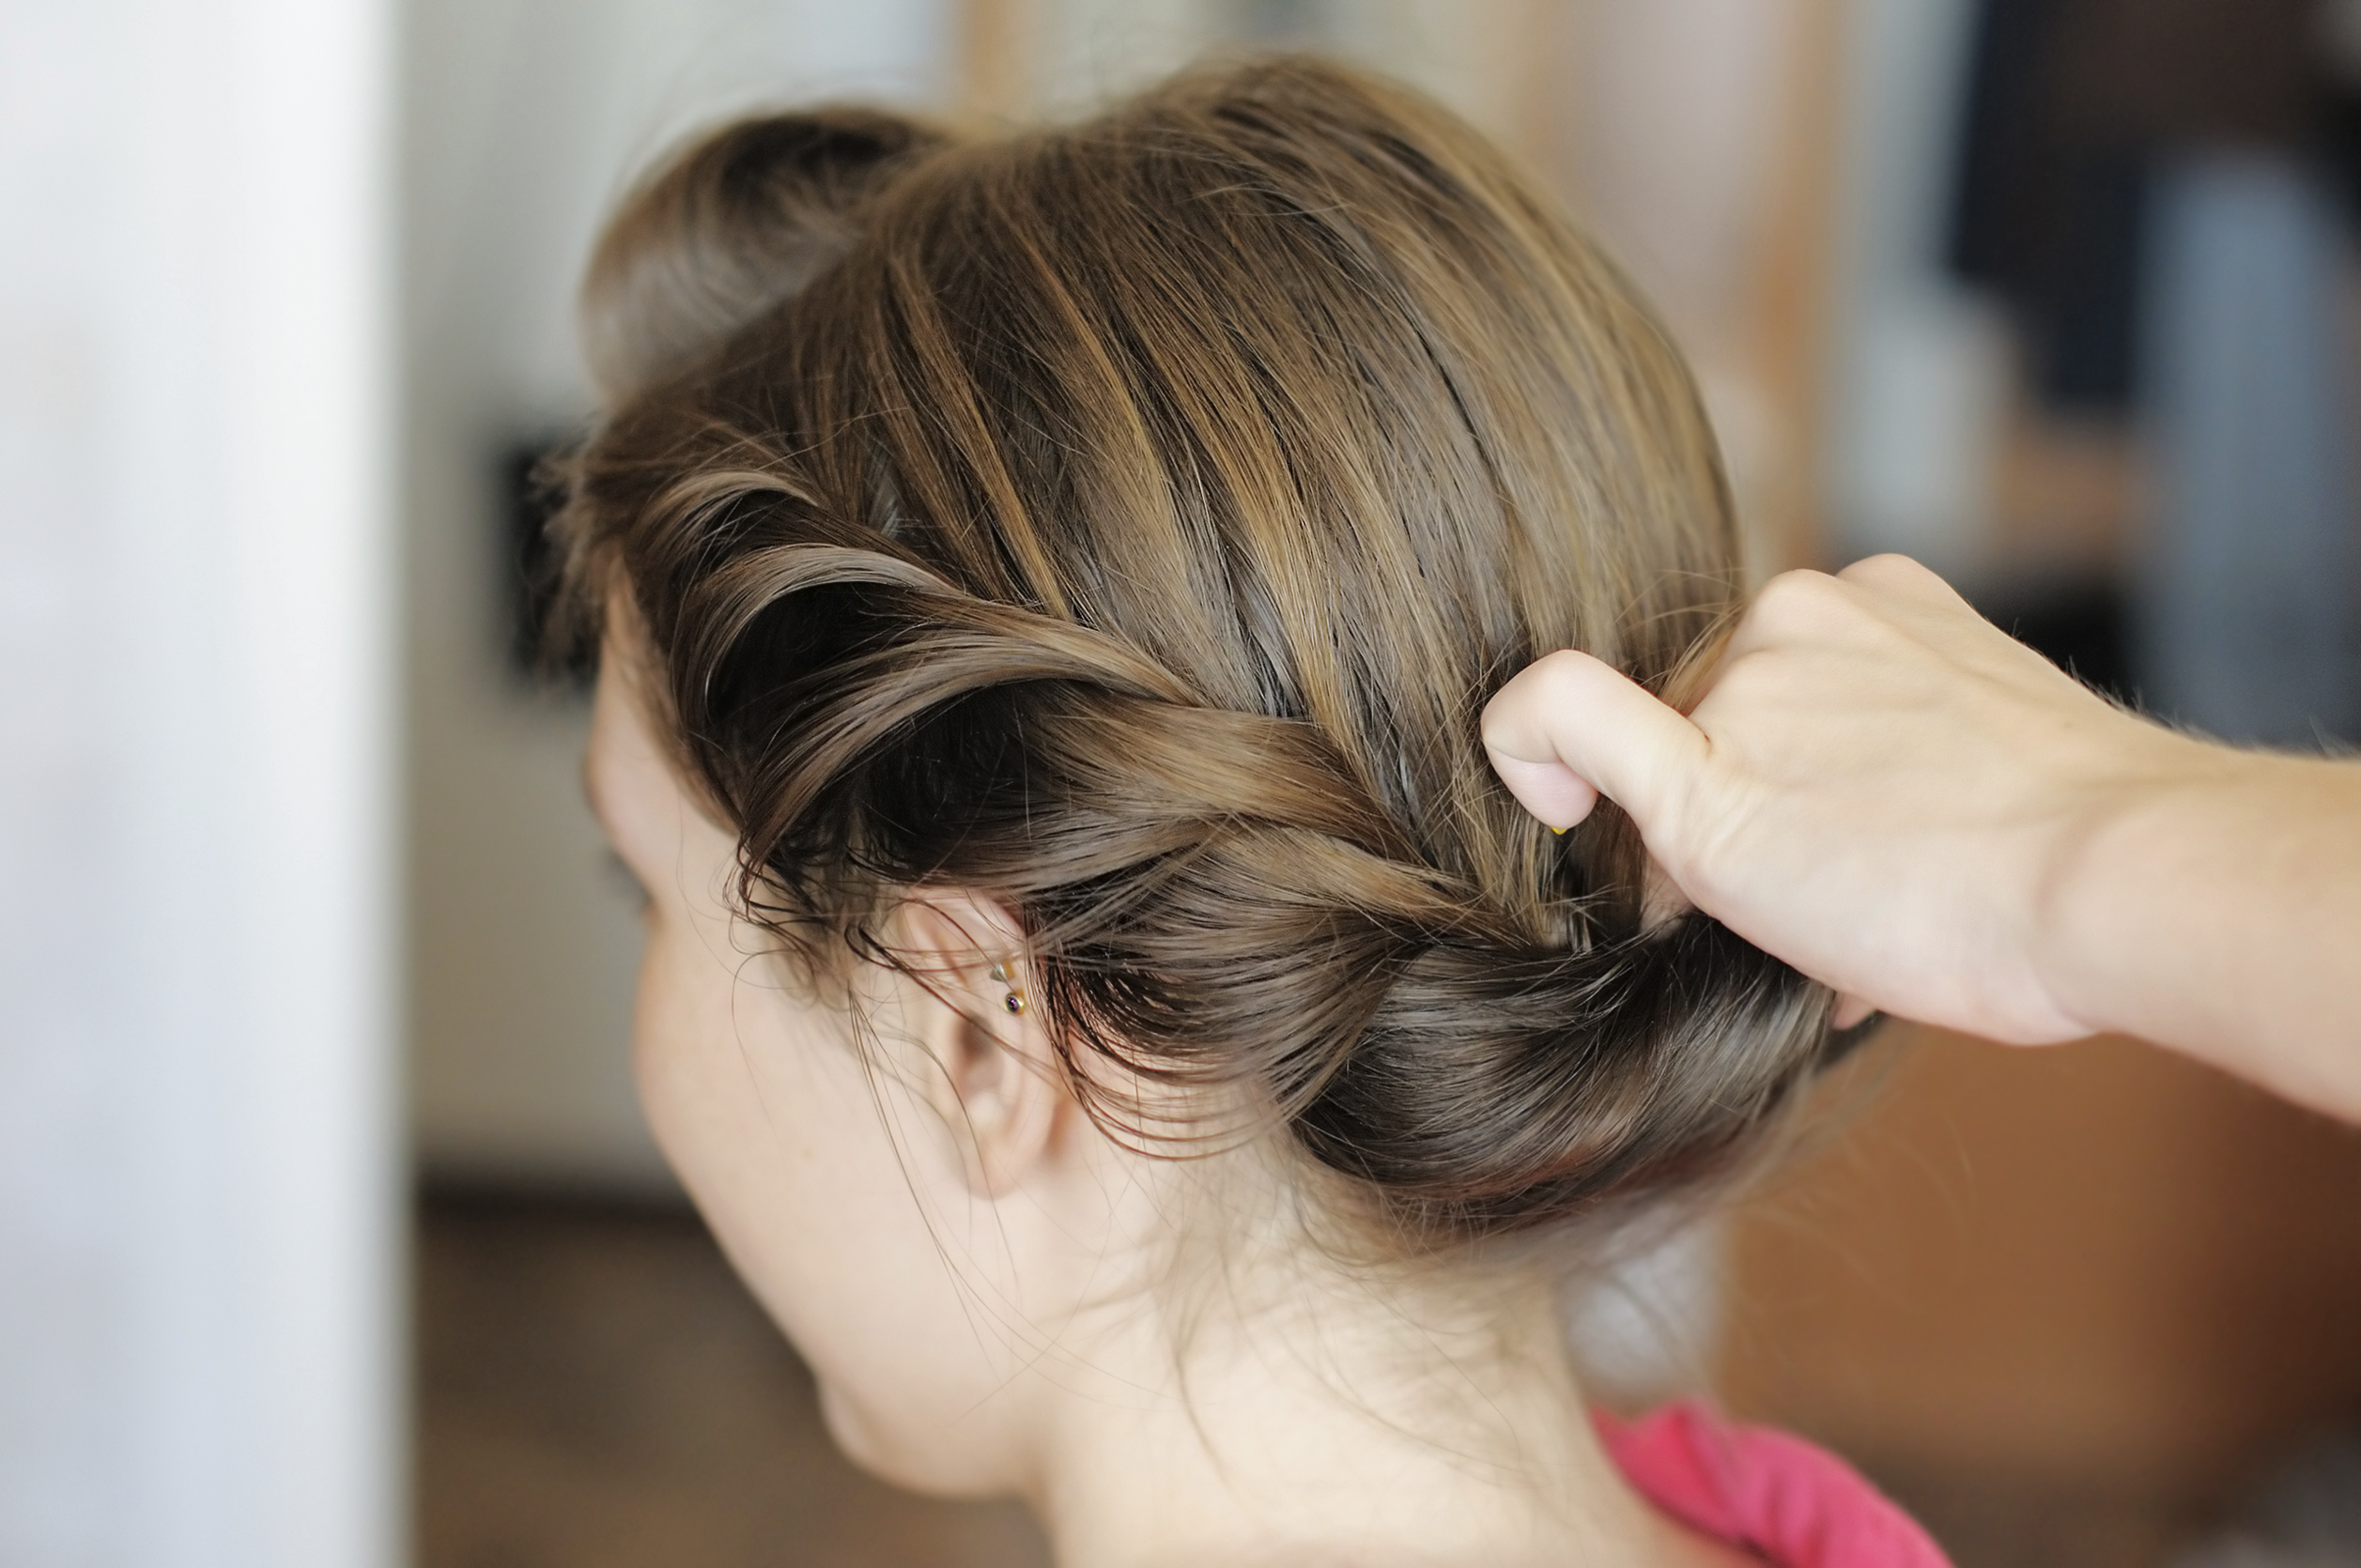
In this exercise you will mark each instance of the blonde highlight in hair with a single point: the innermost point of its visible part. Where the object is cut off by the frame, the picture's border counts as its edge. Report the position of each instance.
(1128, 521)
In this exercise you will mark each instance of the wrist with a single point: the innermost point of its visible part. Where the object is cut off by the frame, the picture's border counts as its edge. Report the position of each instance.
(2125, 866)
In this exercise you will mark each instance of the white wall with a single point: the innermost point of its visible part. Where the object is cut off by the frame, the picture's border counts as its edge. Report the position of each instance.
(197, 1163)
(522, 120)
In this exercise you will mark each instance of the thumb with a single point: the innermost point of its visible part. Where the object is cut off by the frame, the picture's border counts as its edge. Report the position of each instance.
(1570, 728)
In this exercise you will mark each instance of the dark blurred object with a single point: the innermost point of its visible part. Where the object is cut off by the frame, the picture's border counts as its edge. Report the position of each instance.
(2080, 625)
(2307, 1515)
(539, 649)
(2086, 316)
(2340, 145)
(2068, 103)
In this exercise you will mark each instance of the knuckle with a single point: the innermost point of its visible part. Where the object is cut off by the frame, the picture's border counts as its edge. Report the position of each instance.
(1558, 676)
(1540, 688)
(1891, 573)
(1558, 665)
(1797, 597)
(1884, 563)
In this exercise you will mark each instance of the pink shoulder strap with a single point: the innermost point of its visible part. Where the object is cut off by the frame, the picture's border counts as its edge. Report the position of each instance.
(1776, 1495)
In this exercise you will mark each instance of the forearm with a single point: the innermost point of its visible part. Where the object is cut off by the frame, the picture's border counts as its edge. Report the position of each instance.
(2219, 912)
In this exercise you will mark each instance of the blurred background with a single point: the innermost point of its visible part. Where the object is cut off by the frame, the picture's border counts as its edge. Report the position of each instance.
(328, 1231)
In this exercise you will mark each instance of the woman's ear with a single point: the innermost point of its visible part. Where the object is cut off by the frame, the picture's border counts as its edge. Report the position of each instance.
(993, 1076)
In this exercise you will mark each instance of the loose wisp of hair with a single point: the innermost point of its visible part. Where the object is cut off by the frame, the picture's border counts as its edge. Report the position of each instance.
(1127, 521)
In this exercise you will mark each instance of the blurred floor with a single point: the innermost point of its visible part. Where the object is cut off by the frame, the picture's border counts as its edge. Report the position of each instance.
(596, 1389)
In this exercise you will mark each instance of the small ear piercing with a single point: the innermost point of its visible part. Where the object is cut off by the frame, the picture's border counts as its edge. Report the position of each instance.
(1015, 999)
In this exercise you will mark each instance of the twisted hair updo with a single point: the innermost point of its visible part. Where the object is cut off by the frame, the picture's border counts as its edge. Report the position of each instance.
(1128, 522)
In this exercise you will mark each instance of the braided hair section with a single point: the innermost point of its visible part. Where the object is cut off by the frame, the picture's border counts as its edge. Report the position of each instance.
(1128, 523)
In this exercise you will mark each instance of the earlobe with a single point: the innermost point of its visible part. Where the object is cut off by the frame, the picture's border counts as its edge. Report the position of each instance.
(995, 1080)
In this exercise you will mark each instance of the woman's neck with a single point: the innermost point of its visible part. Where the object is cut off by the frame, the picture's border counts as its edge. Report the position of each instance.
(1332, 1421)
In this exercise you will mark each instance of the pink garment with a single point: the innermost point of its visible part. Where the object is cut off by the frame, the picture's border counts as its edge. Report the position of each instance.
(1795, 1505)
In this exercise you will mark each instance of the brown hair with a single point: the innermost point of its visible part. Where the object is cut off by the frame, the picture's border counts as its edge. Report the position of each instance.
(1128, 521)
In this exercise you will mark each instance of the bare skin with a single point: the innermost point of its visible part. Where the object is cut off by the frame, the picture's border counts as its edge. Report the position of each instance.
(995, 1297)
(1889, 792)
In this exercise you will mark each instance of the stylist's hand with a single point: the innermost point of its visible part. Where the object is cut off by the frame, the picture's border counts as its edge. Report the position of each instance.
(1880, 787)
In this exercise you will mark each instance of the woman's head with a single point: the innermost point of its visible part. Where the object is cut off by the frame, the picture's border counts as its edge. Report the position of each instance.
(1113, 533)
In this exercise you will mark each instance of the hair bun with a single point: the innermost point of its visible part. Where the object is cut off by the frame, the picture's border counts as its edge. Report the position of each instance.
(747, 217)
(1128, 522)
